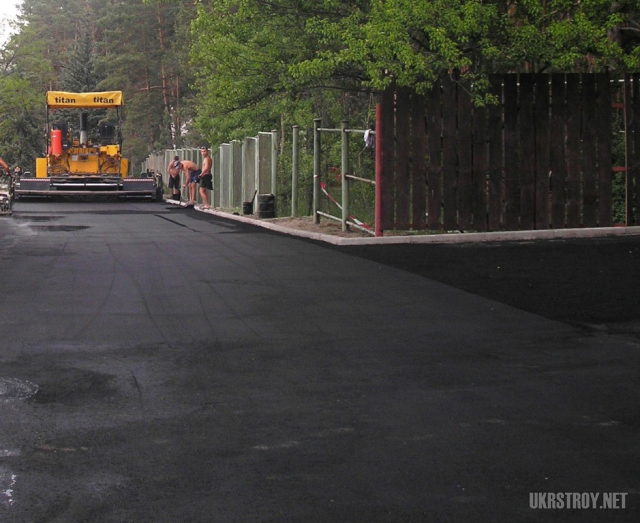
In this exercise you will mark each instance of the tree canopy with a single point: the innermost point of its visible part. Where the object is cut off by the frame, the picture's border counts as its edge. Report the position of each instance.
(126, 45)
(222, 69)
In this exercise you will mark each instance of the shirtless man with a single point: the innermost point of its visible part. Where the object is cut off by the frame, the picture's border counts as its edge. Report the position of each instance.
(174, 178)
(191, 173)
(206, 178)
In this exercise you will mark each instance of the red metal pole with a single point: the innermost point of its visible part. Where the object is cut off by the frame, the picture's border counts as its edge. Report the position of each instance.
(378, 205)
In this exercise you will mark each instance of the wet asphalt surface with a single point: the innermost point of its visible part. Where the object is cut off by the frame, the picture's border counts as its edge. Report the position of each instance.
(162, 365)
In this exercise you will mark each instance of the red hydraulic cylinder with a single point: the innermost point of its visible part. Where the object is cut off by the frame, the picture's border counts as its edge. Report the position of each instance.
(56, 142)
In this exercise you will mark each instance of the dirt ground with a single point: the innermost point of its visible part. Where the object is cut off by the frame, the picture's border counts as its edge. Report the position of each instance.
(334, 228)
(326, 226)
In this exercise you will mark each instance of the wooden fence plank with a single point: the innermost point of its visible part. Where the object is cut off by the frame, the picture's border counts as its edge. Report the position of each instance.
(418, 163)
(527, 151)
(495, 155)
(542, 158)
(449, 150)
(480, 169)
(589, 145)
(387, 153)
(511, 156)
(636, 144)
(573, 150)
(539, 159)
(465, 158)
(604, 136)
(557, 152)
(434, 150)
(634, 149)
(403, 144)
(628, 142)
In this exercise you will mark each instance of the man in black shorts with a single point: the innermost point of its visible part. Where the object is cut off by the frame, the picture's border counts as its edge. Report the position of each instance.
(174, 178)
(191, 177)
(205, 177)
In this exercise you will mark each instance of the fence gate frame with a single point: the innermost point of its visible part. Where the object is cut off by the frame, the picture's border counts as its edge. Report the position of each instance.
(346, 177)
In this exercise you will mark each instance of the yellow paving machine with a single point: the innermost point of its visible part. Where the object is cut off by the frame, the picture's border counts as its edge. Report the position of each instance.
(85, 161)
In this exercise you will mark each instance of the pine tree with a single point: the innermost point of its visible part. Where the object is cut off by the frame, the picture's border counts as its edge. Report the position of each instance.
(139, 47)
(79, 74)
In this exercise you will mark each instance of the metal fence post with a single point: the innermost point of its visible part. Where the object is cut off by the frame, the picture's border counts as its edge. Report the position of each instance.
(274, 162)
(256, 168)
(345, 172)
(180, 153)
(225, 165)
(248, 169)
(316, 170)
(378, 198)
(294, 172)
(232, 172)
(196, 157)
(264, 163)
(215, 170)
(236, 174)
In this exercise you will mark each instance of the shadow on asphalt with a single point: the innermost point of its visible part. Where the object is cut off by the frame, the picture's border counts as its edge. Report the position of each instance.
(582, 282)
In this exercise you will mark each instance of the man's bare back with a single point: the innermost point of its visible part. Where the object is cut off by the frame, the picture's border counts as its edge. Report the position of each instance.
(188, 165)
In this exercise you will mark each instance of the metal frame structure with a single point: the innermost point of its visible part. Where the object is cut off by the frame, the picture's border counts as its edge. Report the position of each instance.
(346, 176)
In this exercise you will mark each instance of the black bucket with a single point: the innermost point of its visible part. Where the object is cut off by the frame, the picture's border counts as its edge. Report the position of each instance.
(247, 208)
(266, 206)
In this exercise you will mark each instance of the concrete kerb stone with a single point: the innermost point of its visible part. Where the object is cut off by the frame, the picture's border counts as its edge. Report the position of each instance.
(475, 237)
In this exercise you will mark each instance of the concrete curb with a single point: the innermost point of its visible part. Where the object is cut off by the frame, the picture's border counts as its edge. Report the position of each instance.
(476, 237)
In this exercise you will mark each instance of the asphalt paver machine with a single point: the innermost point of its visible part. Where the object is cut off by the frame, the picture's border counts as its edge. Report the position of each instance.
(85, 161)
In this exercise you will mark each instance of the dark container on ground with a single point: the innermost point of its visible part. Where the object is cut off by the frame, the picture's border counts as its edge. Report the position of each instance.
(266, 206)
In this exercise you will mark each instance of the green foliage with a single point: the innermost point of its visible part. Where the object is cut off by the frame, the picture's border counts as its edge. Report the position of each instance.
(78, 73)
(24, 75)
(20, 122)
(256, 60)
(240, 56)
(225, 69)
(406, 42)
(560, 35)
(411, 42)
(88, 45)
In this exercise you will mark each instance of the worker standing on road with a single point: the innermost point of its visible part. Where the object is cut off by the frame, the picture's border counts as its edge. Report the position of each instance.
(191, 173)
(4, 165)
(174, 178)
(206, 178)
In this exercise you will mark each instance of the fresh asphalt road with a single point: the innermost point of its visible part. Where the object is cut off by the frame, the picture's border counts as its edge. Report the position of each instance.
(163, 365)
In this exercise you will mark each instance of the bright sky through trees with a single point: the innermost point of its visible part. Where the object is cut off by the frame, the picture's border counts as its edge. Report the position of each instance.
(8, 10)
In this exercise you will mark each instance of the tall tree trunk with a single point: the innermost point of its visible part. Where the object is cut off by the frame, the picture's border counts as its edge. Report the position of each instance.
(163, 72)
(176, 114)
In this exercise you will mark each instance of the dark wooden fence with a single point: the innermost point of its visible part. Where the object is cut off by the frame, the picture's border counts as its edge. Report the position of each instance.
(631, 108)
(540, 158)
